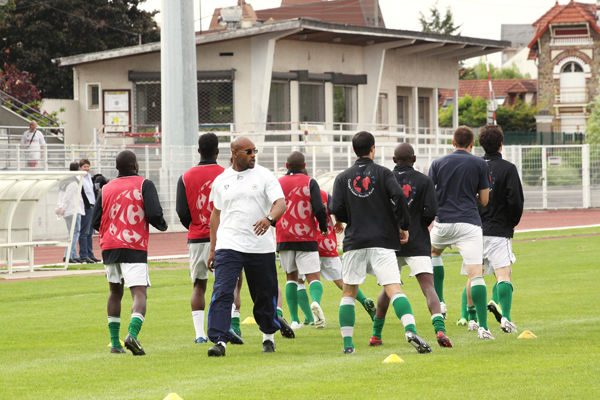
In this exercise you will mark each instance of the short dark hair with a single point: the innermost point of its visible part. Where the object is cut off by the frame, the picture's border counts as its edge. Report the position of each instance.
(126, 161)
(463, 136)
(208, 144)
(74, 166)
(84, 161)
(362, 143)
(491, 138)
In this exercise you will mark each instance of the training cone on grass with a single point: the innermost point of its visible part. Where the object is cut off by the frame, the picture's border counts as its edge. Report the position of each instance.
(249, 321)
(393, 359)
(173, 396)
(122, 343)
(526, 334)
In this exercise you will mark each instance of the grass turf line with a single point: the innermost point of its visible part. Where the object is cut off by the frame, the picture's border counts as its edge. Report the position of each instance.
(54, 342)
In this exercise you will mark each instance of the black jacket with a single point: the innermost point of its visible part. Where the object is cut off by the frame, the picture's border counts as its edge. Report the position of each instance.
(422, 205)
(505, 207)
(368, 199)
(154, 216)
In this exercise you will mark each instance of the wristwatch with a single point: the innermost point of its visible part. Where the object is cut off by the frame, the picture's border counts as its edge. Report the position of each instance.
(271, 220)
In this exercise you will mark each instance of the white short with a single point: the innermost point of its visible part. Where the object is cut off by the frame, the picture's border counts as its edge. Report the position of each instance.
(331, 268)
(198, 256)
(134, 274)
(468, 238)
(497, 253)
(305, 262)
(418, 264)
(356, 264)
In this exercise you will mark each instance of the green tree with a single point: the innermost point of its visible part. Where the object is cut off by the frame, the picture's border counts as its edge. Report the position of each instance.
(471, 112)
(592, 127)
(479, 71)
(436, 23)
(517, 117)
(36, 32)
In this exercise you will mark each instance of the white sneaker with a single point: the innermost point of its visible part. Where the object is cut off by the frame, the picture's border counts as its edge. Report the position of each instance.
(296, 325)
(443, 309)
(483, 333)
(473, 325)
(507, 326)
(318, 315)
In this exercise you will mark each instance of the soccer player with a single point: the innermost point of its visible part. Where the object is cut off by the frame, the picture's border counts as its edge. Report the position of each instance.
(193, 209)
(420, 195)
(367, 198)
(126, 206)
(331, 265)
(461, 183)
(247, 198)
(297, 235)
(499, 218)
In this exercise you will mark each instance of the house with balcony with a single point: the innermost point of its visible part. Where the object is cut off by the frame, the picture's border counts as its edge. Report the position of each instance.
(565, 47)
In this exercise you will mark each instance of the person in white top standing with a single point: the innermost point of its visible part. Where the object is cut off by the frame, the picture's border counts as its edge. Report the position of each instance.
(32, 143)
(68, 208)
(86, 252)
(247, 200)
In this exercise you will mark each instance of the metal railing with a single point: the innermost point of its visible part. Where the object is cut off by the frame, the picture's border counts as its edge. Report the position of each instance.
(575, 40)
(25, 110)
(574, 95)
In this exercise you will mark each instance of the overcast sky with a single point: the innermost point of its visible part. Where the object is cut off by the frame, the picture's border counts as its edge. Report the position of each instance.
(478, 18)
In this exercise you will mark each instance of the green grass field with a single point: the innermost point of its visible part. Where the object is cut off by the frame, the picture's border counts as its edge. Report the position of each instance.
(54, 338)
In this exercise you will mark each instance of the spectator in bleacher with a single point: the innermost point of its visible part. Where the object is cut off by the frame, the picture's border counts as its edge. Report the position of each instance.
(68, 208)
(86, 253)
(32, 143)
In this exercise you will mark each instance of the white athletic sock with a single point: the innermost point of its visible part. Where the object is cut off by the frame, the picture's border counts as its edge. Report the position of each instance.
(269, 336)
(137, 315)
(235, 313)
(198, 318)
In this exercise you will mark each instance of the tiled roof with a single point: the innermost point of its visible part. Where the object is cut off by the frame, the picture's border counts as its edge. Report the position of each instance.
(480, 88)
(349, 12)
(572, 12)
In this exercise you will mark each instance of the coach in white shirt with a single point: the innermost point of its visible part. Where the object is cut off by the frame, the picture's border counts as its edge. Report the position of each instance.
(32, 143)
(247, 201)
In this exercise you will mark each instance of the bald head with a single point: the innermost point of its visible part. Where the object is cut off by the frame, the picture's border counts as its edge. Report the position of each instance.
(241, 143)
(295, 161)
(404, 154)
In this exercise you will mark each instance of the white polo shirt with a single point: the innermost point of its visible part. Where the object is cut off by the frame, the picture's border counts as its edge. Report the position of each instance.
(244, 198)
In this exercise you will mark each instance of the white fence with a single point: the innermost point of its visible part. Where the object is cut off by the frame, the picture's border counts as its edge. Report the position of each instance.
(566, 176)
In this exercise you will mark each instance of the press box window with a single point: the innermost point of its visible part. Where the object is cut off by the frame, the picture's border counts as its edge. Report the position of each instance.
(93, 96)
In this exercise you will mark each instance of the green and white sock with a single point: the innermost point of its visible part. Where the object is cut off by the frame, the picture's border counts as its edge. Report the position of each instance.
(404, 312)
(198, 318)
(463, 305)
(235, 320)
(505, 291)
(280, 312)
(378, 327)
(472, 313)
(479, 296)
(316, 290)
(438, 323)
(360, 297)
(438, 276)
(495, 297)
(347, 317)
(135, 324)
(291, 296)
(304, 304)
(114, 326)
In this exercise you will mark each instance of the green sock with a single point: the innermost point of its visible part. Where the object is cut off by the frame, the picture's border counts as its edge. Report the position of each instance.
(378, 327)
(479, 296)
(505, 291)
(316, 290)
(438, 323)
(304, 305)
(280, 312)
(495, 293)
(235, 325)
(404, 312)
(360, 297)
(463, 305)
(114, 326)
(438, 276)
(472, 313)
(291, 296)
(347, 317)
(135, 324)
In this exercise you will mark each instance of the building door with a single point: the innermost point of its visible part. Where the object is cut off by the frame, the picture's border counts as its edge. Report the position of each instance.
(572, 84)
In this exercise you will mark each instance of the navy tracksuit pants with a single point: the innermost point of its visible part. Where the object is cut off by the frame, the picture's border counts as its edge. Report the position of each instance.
(261, 276)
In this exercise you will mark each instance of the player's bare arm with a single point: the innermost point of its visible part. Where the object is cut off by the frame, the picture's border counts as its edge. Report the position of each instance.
(215, 220)
(262, 225)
